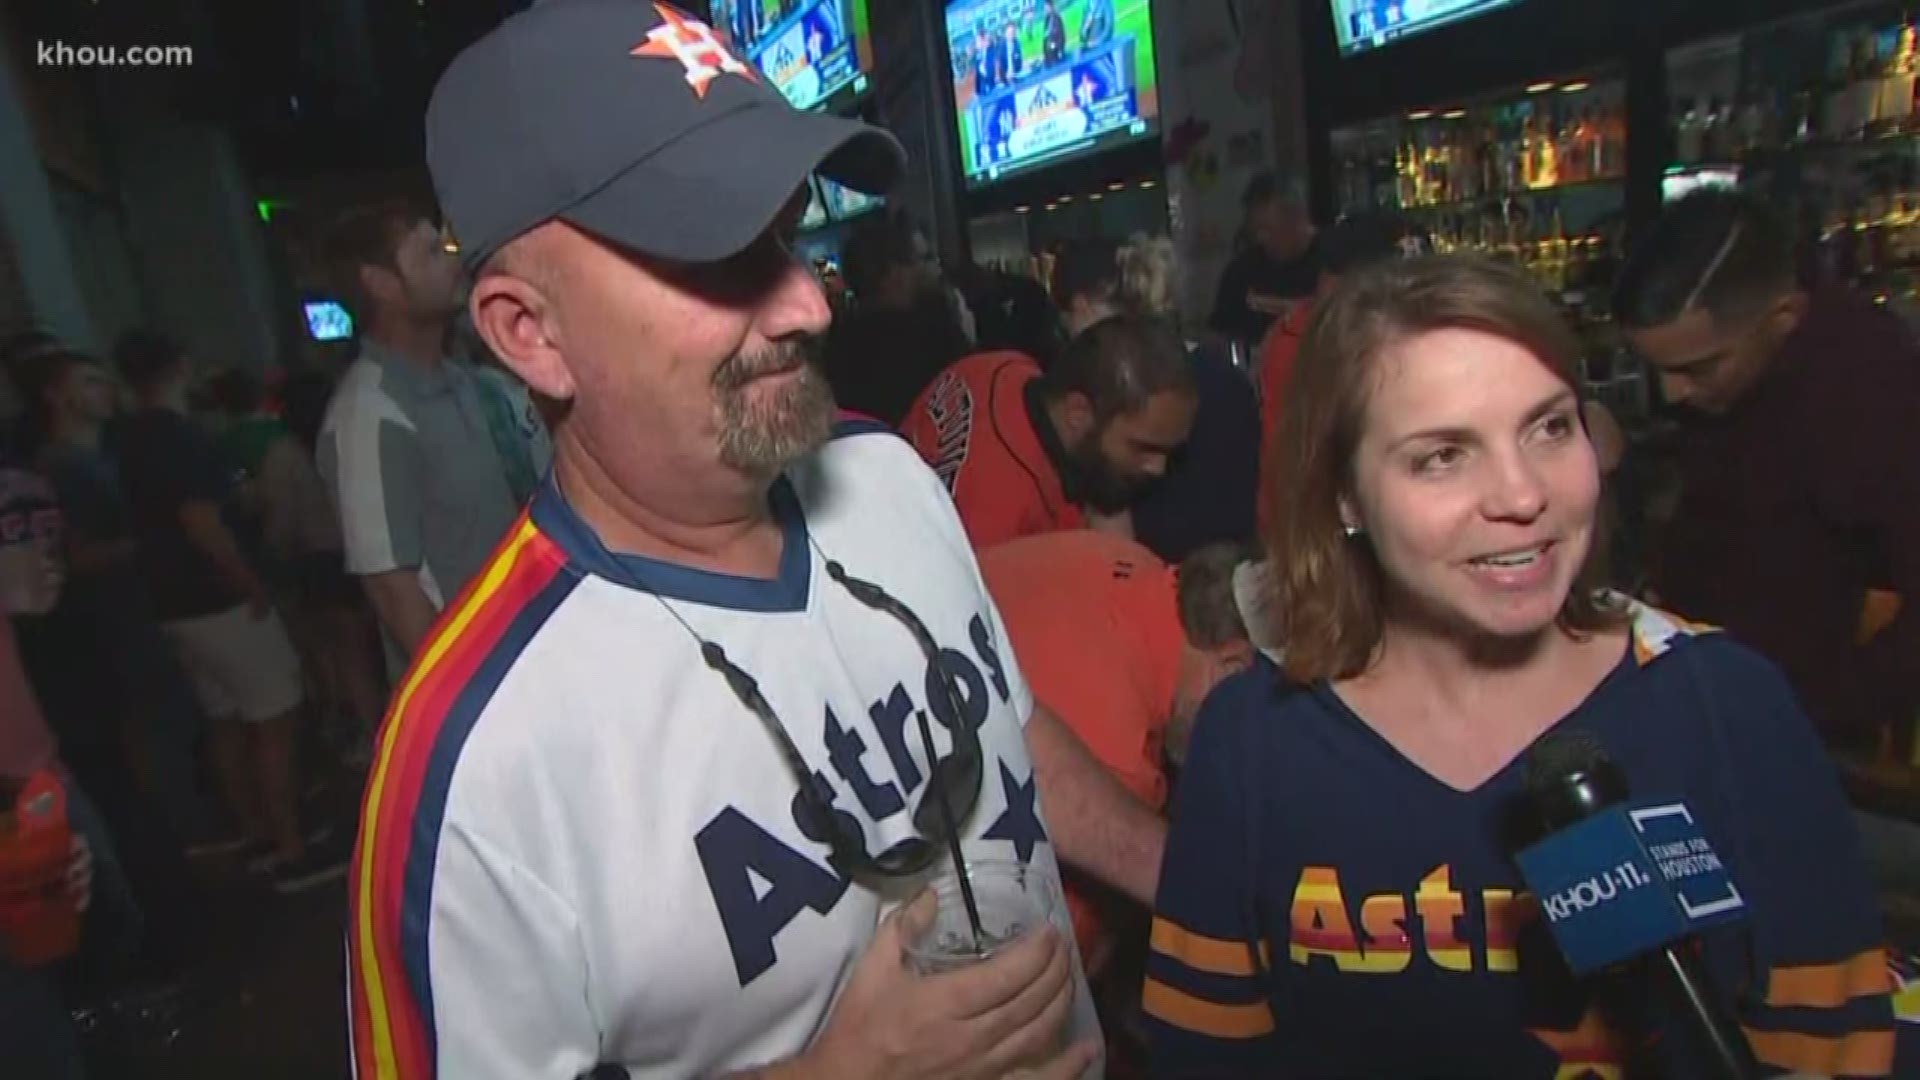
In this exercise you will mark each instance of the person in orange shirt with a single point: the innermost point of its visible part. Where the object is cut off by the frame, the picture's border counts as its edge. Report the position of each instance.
(1356, 241)
(1123, 649)
(1024, 452)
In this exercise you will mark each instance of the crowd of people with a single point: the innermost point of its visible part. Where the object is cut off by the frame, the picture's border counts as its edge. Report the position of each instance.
(710, 622)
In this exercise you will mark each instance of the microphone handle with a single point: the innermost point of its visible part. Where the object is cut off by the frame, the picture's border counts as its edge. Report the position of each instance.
(1716, 1036)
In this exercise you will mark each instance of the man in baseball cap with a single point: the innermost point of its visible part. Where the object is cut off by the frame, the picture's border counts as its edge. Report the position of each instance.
(657, 786)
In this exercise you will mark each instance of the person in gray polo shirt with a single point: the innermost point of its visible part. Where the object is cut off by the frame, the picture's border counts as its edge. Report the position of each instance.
(415, 467)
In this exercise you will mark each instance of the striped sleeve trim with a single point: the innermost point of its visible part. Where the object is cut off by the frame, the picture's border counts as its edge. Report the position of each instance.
(1858, 1053)
(1189, 1013)
(1214, 956)
(1829, 986)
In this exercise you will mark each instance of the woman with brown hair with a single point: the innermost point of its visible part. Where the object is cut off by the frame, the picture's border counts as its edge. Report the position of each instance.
(1337, 897)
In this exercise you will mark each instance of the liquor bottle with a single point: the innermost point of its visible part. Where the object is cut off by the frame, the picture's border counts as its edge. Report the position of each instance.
(1546, 148)
(1573, 157)
(1894, 107)
(1529, 153)
(1687, 133)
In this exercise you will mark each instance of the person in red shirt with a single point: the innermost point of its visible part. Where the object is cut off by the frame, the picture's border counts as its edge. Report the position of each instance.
(1124, 650)
(1024, 452)
(1356, 241)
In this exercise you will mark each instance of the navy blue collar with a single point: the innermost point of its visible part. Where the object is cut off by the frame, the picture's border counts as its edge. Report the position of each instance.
(787, 591)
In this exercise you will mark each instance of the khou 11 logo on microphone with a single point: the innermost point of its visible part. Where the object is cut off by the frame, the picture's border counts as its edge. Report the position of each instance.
(1628, 880)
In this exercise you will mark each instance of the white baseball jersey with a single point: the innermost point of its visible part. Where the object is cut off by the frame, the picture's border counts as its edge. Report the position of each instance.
(577, 846)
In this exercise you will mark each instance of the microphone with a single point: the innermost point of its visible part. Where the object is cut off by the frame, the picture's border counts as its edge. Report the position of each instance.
(1623, 885)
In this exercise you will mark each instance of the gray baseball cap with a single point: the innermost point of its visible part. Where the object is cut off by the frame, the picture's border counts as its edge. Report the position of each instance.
(632, 121)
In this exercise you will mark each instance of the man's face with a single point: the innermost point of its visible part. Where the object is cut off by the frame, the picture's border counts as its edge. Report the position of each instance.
(1116, 461)
(428, 275)
(675, 367)
(1280, 228)
(89, 393)
(1708, 364)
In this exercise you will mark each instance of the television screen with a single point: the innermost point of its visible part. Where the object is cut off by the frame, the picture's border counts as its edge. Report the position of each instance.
(816, 214)
(844, 202)
(1035, 81)
(327, 320)
(812, 50)
(1368, 24)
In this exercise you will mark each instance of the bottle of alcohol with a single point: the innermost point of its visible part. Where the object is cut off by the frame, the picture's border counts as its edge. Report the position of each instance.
(1529, 150)
(1613, 141)
(1894, 109)
(1573, 158)
(1546, 164)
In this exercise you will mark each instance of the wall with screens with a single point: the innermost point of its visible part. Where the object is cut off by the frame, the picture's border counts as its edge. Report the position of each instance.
(819, 53)
(1039, 81)
(1368, 24)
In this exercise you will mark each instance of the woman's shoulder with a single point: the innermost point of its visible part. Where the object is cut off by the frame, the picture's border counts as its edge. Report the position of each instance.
(1252, 705)
(1663, 640)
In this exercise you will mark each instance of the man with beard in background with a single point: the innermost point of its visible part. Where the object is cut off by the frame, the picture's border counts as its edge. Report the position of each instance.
(1025, 452)
(406, 448)
(904, 327)
(651, 795)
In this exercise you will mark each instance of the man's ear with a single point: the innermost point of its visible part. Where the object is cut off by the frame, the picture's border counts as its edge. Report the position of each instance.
(381, 284)
(1234, 656)
(1076, 416)
(1785, 316)
(515, 318)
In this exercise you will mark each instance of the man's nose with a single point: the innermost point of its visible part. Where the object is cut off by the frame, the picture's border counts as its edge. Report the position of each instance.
(796, 305)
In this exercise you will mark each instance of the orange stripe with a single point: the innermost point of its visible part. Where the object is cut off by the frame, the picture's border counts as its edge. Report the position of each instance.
(385, 1059)
(1829, 986)
(1183, 1010)
(1212, 955)
(1859, 1053)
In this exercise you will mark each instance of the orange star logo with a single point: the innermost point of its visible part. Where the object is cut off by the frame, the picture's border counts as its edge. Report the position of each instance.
(691, 42)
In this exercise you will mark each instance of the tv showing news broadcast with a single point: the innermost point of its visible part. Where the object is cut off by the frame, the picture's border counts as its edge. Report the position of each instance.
(1368, 24)
(1036, 81)
(843, 202)
(327, 320)
(816, 52)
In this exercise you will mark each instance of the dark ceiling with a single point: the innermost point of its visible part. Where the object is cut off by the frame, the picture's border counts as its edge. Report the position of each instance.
(303, 85)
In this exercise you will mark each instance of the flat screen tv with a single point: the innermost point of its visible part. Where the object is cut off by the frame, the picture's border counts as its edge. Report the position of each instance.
(1039, 81)
(843, 202)
(819, 53)
(816, 212)
(328, 320)
(1368, 24)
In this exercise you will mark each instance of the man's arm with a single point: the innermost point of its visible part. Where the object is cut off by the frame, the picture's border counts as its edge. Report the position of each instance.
(403, 607)
(371, 460)
(1872, 474)
(1098, 826)
(208, 533)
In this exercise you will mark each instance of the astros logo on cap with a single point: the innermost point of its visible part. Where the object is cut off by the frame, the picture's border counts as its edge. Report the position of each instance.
(691, 42)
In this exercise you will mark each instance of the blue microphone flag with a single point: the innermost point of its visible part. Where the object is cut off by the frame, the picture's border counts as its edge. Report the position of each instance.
(1628, 880)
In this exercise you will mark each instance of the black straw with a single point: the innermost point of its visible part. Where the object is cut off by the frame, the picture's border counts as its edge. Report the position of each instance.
(937, 791)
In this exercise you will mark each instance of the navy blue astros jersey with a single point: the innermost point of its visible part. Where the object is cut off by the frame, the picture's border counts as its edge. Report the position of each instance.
(1328, 909)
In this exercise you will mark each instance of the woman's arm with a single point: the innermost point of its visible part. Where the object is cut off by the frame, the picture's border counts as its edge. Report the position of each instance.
(1207, 975)
(1821, 1000)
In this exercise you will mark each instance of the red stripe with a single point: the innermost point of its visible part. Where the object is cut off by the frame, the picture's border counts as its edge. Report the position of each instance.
(432, 700)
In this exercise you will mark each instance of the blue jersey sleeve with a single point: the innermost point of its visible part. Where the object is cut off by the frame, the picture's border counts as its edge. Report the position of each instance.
(1205, 998)
(1820, 990)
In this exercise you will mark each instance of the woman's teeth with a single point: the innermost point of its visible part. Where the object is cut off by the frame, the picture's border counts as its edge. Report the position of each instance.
(1513, 559)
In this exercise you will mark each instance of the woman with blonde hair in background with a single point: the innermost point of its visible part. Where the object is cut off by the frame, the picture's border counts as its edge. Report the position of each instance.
(1207, 496)
(1337, 897)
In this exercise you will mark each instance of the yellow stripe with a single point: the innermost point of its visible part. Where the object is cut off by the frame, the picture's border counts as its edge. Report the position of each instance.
(1183, 1010)
(1858, 1053)
(385, 1063)
(1829, 986)
(1212, 955)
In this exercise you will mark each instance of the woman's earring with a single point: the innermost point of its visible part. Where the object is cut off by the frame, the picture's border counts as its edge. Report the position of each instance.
(1351, 531)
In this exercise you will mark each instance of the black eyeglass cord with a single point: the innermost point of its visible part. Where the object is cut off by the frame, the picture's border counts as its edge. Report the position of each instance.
(747, 689)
